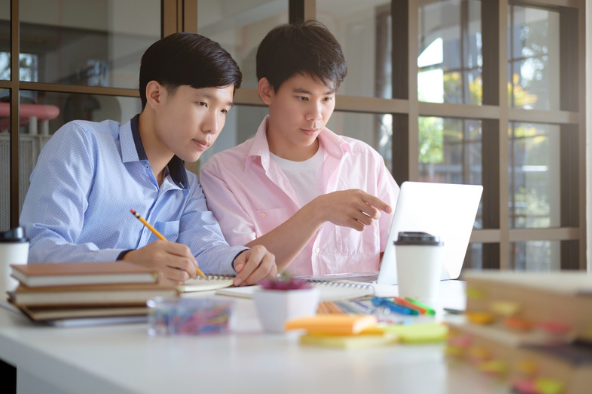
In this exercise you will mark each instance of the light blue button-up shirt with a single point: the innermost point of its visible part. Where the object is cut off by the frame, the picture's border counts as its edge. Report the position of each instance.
(89, 176)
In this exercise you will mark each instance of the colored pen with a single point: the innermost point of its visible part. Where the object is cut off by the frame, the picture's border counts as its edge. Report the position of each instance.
(363, 307)
(393, 307)
(409, 304)
(429, 310)
(160, 236)
(348, 308)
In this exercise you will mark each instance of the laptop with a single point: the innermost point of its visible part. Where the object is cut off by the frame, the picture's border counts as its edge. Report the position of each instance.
(445, 210)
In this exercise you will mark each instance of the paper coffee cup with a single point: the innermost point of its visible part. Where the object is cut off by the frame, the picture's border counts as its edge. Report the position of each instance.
(419, 261)
(14, 249)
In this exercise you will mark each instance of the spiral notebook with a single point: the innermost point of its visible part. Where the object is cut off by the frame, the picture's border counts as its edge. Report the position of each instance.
(213, 282)
(331, 290)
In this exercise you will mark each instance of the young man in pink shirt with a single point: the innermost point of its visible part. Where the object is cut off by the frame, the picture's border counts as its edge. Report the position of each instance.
(322, 203)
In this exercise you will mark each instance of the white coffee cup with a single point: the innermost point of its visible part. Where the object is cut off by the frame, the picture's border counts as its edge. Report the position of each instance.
(14, 249)
(419, 261)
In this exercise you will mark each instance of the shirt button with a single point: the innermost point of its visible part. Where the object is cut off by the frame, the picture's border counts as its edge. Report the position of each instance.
(317, 250)
(263, 215)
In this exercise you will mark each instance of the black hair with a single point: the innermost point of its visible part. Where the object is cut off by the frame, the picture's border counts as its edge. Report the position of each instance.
(303, 48)
(187, 59)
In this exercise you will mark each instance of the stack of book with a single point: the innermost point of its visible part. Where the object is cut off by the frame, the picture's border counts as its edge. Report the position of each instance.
(532, 330)
(56, 292)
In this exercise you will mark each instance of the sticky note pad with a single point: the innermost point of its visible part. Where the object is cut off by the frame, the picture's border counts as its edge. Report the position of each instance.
(518, 324)
(348, 342)
(493, 367)
(454, 351)
(333, 324)
(419, 333)
(480, 317)
(505, 308)
(524, 386)
(548, 386)
(475, 294)
(462, 341)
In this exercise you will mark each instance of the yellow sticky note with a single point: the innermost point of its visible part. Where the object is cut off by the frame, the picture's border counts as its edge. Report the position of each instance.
(347, 342)
(419, 333)
(480, 317)
(505, 308)
(493, 367)
(475, 294)
(454, 351)
(548, 386)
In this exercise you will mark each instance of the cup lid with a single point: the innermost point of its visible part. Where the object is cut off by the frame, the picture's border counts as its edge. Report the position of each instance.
(418, 238)
(13, 235)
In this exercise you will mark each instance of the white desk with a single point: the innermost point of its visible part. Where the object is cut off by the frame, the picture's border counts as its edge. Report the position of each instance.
(124, 359)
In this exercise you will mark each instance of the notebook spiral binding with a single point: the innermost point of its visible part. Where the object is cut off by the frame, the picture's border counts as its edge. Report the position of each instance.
(216, 277)
(331, 283)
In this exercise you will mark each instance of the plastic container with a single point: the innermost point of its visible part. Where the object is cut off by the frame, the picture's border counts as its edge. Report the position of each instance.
(188, 316)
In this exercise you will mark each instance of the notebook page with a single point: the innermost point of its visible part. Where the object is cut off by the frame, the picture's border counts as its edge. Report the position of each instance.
(200, 284)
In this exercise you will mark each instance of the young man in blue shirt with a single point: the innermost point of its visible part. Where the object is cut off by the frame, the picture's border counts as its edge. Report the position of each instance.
(89, 175)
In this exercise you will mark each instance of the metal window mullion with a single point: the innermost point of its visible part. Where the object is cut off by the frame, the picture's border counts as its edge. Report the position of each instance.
(413, 117)
(14, 113)
(582, 139)
(301, 10)
(168, 15)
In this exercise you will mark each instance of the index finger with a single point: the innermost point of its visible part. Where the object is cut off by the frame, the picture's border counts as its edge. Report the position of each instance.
(253, 259)
(178, 249)
(377, 203)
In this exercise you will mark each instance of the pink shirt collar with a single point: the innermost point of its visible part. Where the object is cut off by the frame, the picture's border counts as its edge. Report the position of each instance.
(333, 145)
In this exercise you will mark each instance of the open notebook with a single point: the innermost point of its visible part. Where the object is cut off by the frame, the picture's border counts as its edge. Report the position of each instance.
(330, 290)
(200, 284)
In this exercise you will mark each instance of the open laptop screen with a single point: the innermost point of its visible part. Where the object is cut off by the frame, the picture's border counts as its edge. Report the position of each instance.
(445, 210)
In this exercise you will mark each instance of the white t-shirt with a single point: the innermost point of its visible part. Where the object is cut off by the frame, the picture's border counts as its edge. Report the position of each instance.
(306, 177)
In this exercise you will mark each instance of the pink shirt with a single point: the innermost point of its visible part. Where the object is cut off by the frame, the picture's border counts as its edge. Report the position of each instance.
(250, 196)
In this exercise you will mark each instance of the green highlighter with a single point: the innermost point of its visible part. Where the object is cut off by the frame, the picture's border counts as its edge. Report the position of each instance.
(429, 311)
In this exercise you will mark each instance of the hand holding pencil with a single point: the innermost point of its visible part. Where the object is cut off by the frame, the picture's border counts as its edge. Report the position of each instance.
(175, 260)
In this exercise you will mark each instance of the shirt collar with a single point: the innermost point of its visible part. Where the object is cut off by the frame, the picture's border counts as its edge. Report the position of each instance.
(333, 145)
(132, 149)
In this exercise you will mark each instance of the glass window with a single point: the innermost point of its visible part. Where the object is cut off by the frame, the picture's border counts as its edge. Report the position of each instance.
(43, 113)
(536, 256)
(239, 26)
(474, 256)
(363, 30)
(533, 53)
(4, 160)
(450, 152)
(450, 59)
(86, 42)
(375, 130)
(4, 40)
(534, 175)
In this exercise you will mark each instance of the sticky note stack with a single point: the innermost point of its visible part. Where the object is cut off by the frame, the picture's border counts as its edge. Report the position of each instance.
(357, 331)
(533, 330)
(342, 331)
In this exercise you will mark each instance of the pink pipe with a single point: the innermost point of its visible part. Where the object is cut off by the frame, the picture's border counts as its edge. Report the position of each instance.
(41, 111)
